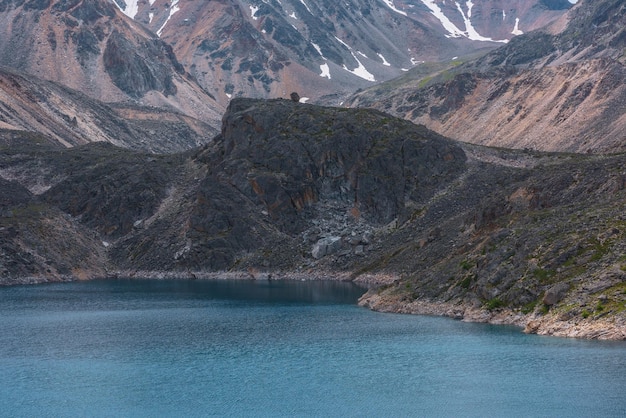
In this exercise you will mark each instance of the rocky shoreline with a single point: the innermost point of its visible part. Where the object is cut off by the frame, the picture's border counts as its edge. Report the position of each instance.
(550, 324)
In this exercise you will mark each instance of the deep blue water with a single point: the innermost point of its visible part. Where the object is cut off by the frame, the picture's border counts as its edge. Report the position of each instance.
(223, 348)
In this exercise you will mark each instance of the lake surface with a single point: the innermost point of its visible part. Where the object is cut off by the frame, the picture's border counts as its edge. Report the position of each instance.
(242, 348)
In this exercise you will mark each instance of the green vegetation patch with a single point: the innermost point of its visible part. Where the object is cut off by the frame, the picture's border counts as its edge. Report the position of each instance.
(494, 303)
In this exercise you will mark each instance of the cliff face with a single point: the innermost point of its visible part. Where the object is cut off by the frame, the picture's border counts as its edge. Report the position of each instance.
(545, 91)
(297, 190)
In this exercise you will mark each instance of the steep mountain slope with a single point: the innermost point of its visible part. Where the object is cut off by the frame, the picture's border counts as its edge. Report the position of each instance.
(300, 191)
(67, 117)
(562, 91)
(324, 49)
(92, 47)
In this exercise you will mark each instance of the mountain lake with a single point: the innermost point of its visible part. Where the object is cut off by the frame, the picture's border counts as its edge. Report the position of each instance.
(280, 349)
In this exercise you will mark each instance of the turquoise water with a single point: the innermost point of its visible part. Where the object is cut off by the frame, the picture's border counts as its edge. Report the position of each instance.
(193, 348)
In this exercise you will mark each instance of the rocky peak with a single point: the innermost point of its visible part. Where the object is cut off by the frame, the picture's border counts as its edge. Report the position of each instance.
(92, 47)
(289, 157)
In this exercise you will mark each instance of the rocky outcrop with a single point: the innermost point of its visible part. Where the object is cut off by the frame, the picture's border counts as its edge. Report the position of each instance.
(295, 190)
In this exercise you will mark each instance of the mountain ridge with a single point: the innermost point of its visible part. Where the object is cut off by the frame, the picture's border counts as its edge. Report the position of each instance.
(551, 92)
(322, 49)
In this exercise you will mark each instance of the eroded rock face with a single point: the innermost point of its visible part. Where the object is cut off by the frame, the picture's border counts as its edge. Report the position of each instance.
(132, 73)
(289, 156)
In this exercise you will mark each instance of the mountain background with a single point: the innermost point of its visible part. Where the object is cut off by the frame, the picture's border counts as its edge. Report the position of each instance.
(323, 49)
(557, 89)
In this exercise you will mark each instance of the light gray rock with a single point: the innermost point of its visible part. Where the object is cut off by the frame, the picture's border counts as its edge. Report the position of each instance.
(555, 294)
(326, 246)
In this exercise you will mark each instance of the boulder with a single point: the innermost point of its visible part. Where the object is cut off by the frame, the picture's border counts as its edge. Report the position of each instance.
(555, 294)
(326, 246)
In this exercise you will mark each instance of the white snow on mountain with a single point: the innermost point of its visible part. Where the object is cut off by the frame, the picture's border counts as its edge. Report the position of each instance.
(131, 8)
(384, 60)
(318, 49)
(390, 4)
(360, 70)
(253, 11)
(305, 5)
(325, 71)
(173, 9)
(516, 29)
(470, 31)
(450, 27)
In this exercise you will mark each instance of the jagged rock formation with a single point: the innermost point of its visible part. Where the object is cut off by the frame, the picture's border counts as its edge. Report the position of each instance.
(69, 118)
(557, 91)
(90, 46)
(327, 49)
(296, 190)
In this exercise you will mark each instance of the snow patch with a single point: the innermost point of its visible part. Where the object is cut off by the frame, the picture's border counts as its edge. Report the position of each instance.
(360, 70)
(516, 30)
(293, 15)
(325, 71)
(453, 31)
(384, 60)
(173, 9)
(305, 5)
(450, 27)
(469, 4)
(131, 8)
(150, 17)
(318, 49)
(253, 10)
(343, 43)
(152, 2)
(228, 95)
(304, 99)
(390, 4)
(470, 31)
(503, 15)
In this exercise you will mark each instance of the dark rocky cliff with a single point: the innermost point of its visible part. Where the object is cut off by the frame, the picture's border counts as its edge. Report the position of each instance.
(294, 190)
